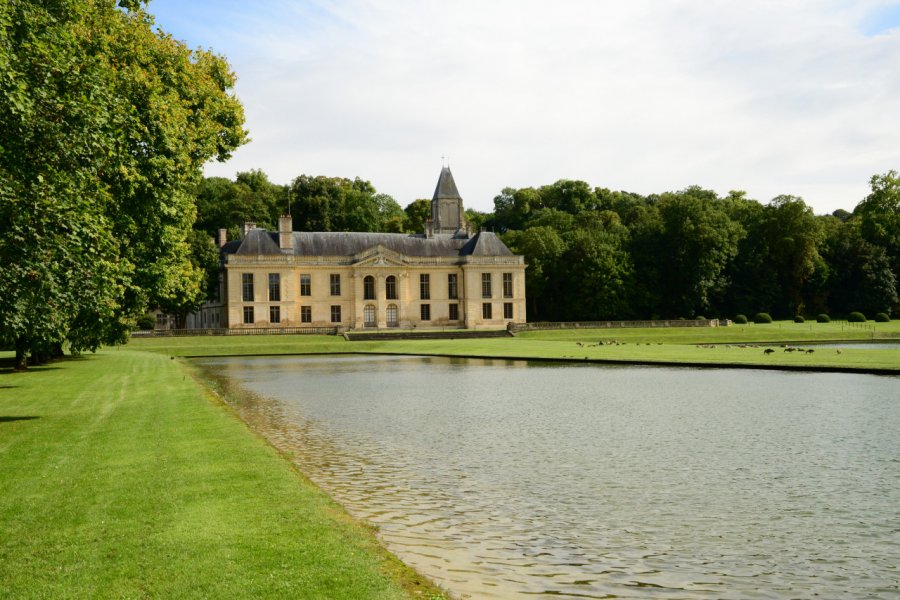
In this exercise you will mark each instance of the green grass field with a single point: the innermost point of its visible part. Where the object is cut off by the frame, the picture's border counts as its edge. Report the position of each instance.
(122, 477)
(717, 346)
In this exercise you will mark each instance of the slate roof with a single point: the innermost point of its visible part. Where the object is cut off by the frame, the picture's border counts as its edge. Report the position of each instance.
(446, 187)
(261, 242)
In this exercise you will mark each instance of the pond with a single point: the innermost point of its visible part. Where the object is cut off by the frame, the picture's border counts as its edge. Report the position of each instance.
(857, 345)
(513, 479)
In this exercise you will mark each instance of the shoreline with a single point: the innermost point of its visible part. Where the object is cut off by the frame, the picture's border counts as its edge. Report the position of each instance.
(589, 360)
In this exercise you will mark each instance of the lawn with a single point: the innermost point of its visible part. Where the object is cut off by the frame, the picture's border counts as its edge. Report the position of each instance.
(740, 346)
(123, 478)
(777, 332)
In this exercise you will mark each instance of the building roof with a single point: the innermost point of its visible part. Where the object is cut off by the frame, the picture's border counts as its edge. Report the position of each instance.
(261, 242)
(446, 187)
(257, 242)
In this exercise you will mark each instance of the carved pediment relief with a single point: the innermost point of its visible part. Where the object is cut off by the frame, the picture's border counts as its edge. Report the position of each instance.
(378, 256)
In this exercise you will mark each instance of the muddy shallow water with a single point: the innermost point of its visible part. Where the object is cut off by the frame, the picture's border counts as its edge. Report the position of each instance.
(513, 479)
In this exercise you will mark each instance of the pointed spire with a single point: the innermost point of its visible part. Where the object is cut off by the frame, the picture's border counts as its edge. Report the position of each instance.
(446, 187)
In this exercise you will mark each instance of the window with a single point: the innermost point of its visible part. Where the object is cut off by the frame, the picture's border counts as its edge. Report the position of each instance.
(162, 321)
(391, 316)
(424, 286)
(335, 313)
(335, 284)
(369, 288)
(507, 285)
(425, 312)
(390, 287)
(486, 311)
(485, 285)
(247, 287)
(507, 310)
(248, 314)
(369, 315)
(454, 312)
(452, 286)
(306, 314)
(274, 287)
(274, 314)
(305, 285)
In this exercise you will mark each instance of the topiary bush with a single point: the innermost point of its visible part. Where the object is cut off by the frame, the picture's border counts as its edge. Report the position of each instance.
(856, 317)
(740, 319)
(799, 319)
(146, 322)
(882, 318)
(762, 318)
(823, 318)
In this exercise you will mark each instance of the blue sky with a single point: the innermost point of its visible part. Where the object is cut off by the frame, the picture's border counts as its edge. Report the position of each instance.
(881, 20)
(769, 97)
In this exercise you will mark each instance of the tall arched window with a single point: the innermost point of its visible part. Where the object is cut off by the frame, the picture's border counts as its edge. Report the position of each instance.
(391, 316)
(369, 315)
(390, 287)
(369, 288)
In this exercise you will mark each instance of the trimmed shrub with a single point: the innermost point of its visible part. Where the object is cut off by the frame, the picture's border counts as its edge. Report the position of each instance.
(823, 318)
(856, 317)
(740, 319)
(882, 318)
(799, 319)
(146, 322)
(762, 318)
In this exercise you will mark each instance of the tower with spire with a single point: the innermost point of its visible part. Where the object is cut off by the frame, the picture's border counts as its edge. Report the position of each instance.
(447, 212)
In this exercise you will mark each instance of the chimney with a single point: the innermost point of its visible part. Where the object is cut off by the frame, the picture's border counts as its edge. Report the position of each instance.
(285, 235)
(248, 225)
(223, 237)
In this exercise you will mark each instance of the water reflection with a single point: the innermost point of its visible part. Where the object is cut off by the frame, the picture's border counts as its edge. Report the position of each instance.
(504, 479)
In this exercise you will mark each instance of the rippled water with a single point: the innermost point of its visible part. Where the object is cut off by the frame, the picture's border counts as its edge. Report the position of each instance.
(507, 479)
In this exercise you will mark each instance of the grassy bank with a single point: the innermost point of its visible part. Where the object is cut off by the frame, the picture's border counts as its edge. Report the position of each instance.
(725, 346)
(122, 478)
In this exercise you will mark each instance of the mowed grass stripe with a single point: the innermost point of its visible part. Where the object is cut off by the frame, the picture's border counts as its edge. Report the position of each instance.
(132, 483)
(715, 346)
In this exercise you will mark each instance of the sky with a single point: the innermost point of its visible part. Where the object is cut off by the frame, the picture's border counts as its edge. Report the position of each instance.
(769, 97)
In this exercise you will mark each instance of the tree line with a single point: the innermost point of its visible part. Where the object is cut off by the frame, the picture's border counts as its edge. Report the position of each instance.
(596, 254)
(602, 254)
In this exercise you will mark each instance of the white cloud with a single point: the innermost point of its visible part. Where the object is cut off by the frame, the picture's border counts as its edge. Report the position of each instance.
(770, 97)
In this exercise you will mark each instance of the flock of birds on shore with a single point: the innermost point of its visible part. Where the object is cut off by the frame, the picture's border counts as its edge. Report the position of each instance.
(766, 351)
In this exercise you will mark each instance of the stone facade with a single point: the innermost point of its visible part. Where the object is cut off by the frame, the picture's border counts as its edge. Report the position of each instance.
(446, 277)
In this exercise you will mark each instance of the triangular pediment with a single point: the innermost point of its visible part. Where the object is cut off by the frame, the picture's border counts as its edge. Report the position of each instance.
(378, 256)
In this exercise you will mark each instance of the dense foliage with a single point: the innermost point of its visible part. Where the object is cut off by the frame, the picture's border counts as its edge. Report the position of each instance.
(692, 252)
(105, 125)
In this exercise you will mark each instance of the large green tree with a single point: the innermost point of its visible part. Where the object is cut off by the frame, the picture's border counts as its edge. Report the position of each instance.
(694, 243)
(879, 216)
(542, 247)
(860, 274)
(339, 204)
(105, 125)
(226, 204)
